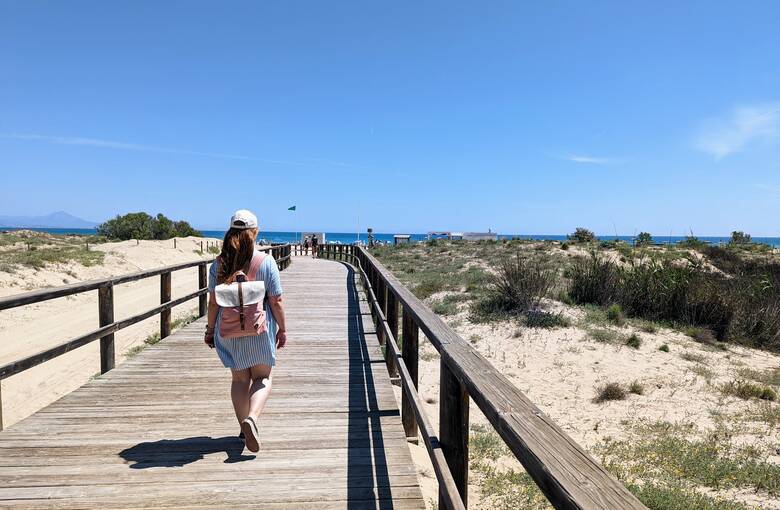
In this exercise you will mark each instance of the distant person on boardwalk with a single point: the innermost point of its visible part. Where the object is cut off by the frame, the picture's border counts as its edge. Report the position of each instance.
(246, 322)
(307, 243)
(314, 246)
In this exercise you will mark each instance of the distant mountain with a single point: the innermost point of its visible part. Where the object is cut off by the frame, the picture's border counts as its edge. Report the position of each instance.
(59, 219)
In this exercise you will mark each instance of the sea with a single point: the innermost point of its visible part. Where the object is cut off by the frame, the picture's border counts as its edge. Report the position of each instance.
(352, 237)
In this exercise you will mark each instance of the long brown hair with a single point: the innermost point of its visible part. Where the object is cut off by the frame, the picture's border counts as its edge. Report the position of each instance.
(237, 250)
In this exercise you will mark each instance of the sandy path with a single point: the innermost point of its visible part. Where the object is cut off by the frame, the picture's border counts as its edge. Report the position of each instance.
(30, 329)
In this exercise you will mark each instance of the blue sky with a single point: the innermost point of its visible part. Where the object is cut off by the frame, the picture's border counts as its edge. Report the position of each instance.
(405, 116)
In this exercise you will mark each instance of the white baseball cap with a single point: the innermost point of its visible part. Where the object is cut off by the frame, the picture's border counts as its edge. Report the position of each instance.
(243, 220)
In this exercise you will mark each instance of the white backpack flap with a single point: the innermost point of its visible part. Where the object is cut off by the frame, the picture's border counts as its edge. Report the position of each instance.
(227, 293)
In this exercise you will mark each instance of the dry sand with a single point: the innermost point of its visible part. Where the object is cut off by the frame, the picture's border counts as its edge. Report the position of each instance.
(559, 370)
(29, 329)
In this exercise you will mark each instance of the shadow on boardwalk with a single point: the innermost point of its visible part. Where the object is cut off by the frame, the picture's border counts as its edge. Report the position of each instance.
(180, 452)
(365, 427)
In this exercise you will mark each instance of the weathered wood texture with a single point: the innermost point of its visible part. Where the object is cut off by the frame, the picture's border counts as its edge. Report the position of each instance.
(568, 476)
(158, 431)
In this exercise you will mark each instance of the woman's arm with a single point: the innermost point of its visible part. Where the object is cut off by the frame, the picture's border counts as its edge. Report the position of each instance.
(275, 302)
(212, 320)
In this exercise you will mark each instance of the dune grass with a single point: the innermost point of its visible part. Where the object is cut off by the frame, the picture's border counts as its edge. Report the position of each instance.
(38, 249)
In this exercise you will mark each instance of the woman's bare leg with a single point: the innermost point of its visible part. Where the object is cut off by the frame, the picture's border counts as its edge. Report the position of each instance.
(260, 389)
(239, 392)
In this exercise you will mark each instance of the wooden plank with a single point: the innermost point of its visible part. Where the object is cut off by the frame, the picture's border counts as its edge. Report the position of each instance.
(158, 431)
(568, 476)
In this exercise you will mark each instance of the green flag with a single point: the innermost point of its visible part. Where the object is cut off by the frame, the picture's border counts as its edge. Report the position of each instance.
(291, 208)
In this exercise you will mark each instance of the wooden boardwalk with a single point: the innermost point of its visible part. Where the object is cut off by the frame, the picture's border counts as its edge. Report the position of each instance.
(159, 431)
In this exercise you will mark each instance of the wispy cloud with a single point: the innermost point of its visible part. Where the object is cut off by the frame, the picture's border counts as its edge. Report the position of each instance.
(111, 144)
(773, 189)
(732, 133)
(583, 158)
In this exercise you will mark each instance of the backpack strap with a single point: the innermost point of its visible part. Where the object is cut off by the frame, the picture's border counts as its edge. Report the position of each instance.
(254, 266)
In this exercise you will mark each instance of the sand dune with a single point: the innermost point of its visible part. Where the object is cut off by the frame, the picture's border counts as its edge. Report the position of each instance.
(32, 328)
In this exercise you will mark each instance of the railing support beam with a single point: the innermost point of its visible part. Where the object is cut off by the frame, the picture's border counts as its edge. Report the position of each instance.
(106, 317)
(410, 353)
(202, 300)
(454, 429)
(165, 296)
(392, 322)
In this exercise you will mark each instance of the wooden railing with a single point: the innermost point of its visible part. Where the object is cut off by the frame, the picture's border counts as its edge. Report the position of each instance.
(566, 474)
(109, 326)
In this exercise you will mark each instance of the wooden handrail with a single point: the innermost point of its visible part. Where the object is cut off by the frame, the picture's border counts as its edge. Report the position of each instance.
(566, 474)
(108, 326)
(450, 497)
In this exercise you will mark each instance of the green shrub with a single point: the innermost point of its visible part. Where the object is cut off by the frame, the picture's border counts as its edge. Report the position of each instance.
(738, 237)
(609, 391)
(582, 235)
(664, 348)
(747, 390)
(605, 336)
(140, 225)
(741, 307)
(519, 284)
(615, 314)
(694, 357)
(634, 341)
(546, 320)
(446, 306)
(770, 376)
(636, 388)
(692, 242)
(594, 280)
(644, 239)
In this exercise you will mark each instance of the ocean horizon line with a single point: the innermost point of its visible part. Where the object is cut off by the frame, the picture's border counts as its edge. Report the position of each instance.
(349, 237)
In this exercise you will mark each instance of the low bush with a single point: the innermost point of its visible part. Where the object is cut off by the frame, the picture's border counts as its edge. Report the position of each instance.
(140, 225)
(519, 285)
(634, 341)
(546, 320)
(615, 314)
(664, 348)
(742, 307)
(636, 388)
(609, 391)
(644, 239)
(605, 336)
(582, 235)
(747, 390)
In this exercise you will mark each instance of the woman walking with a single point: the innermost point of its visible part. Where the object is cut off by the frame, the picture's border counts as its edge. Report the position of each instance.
(246, 336)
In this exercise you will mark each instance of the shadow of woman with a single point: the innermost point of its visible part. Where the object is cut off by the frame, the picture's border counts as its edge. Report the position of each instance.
(179, 452)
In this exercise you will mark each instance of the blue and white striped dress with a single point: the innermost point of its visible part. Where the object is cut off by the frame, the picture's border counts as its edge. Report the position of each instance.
(245, 352)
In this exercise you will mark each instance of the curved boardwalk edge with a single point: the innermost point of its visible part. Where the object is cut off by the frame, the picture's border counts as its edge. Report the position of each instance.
(159, 431)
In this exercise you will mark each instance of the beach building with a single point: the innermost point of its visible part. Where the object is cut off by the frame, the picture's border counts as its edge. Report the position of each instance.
(464, 236)
(402, 239)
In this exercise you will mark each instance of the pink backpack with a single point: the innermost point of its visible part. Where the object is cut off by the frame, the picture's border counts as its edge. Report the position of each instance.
(242, 303)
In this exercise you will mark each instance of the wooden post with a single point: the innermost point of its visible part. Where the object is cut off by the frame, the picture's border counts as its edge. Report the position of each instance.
(379, 291)
(174, 243)
(106, 317)
(392, 323)
(454, 429)
(410, 354)
(201, 247)
(165, 296)
(202, 300)
(1, 405)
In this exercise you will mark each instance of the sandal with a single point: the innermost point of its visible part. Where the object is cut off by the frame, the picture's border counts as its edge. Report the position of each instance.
(249, 428)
